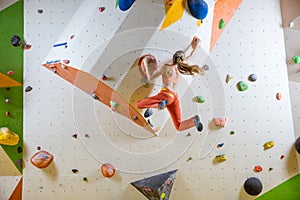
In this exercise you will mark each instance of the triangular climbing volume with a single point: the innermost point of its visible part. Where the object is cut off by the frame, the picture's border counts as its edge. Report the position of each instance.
(6, 81)
(17, 193)
(223, 12)
(156, 187)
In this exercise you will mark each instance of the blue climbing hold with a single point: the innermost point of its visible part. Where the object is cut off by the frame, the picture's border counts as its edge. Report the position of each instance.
(198, 8)
(125, 4)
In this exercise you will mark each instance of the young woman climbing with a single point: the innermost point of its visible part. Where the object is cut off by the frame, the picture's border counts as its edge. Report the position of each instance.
(167, 97)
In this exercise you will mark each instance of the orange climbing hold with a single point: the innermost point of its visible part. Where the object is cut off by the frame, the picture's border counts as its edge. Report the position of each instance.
(41, 159)
(6, 81)
(108, 170)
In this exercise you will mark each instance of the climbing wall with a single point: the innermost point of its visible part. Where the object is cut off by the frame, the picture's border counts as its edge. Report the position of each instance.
(82, 134)
(290, 16)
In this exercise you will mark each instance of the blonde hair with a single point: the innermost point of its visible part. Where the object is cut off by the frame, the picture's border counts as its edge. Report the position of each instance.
(185, 68)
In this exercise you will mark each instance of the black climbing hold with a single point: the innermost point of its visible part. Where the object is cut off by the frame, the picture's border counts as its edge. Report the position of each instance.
(20, 150)
(40, 11)
(253, 186)
(75, 171)
(28, 89)
(135, 118)
(74, 136)
(297, 145)
(156, 187)
(16, 41)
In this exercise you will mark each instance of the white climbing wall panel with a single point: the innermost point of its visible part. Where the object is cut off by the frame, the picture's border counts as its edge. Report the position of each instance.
(110, 42)
(290, 11)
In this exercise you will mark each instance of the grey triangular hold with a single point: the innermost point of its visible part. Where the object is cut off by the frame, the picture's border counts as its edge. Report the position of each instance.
(156, 187)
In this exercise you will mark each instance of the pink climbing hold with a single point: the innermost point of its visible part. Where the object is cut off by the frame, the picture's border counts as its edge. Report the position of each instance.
(10, 72)
(72, 37)
(101, 9)
(221, 122)
(66, 61)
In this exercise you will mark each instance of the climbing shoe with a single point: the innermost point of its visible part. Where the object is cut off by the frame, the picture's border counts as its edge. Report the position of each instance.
(198, 123)
(148, 112)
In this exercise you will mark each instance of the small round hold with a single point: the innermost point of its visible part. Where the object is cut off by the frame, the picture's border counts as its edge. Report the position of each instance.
(107, 170)
(66, 61)
(28, 89)
(85, 179)
(200, 99)
(7, 114)
(40, 11)
(253, 186)
(278, 96)
(252, 77)
(20, 163)
(101, 9)
(20, 150)
(10, 72)
(135, 118)
(7, 100)
(16, 41)
(297, 145)
(205, 67)
(38, 148)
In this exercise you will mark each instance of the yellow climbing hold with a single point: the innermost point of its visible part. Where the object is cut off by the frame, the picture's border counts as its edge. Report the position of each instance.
(269, 145)
(221, 158)
(199, 22)
(174, 13)
(7, 137)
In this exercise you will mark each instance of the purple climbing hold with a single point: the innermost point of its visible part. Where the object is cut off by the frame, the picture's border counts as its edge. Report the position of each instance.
(20, 163)
(16, 41)
(252, 77)
(198, 8)
(125, 4)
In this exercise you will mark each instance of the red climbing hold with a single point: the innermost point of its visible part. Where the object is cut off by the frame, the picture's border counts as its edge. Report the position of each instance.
(258, 168)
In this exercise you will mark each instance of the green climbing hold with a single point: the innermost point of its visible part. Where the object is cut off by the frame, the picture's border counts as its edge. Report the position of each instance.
(242, 86)
(296, 59)
(222, 24)
(200, 99)
(85, 179)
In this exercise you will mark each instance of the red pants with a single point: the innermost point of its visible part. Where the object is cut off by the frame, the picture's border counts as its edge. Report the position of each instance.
(173, 107)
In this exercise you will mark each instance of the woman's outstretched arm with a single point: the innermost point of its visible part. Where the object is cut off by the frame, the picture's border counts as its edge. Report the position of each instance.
(194, 44)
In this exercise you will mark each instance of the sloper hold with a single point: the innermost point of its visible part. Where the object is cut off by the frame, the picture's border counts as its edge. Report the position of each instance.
(156, 187)
(198, 8)
(125, 4)
(7, 137)
(41, 159)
